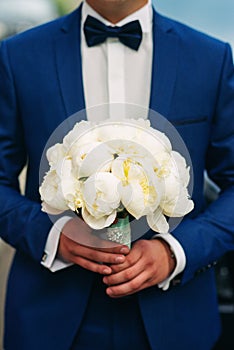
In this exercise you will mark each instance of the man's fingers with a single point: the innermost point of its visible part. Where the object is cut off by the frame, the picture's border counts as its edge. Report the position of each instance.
(92, 266)
(112, 247)
(97, 255)
(128, 288)
(124, 275)
(83, 256)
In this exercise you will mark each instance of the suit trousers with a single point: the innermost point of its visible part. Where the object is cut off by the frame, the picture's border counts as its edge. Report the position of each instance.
(111, 324)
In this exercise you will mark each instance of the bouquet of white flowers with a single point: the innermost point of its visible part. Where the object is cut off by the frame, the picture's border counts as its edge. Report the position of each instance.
(107, 171)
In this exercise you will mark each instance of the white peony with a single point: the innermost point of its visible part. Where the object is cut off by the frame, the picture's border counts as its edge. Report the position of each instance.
(180, 168)
(157, 221)
(70, 186)
(175, 201)
(90, 158)
(155, 142)
(53, 201)
(60, 190)
(55, 154)
(102, 199)
(83, 132)
(102, 167)
(109, 131)
(140, 193)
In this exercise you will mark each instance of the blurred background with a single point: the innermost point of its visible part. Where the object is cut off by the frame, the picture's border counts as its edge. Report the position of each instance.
(215, 17)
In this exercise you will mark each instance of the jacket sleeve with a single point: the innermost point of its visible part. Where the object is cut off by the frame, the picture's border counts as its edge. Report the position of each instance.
(22, 224)
(209, 235)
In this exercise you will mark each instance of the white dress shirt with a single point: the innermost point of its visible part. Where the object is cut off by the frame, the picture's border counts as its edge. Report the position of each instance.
(115, 74)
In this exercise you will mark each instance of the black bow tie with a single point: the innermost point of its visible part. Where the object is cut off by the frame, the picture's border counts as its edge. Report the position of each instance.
(97, 32)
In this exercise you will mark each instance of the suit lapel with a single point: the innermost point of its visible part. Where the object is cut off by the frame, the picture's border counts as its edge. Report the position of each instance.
(69, 65)
(165, 58)
(68, 62)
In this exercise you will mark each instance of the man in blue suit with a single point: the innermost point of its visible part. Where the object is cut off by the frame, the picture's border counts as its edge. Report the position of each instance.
(142, 298)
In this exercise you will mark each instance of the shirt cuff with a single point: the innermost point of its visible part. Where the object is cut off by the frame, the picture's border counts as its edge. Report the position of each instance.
(49, 259)
(179, 255)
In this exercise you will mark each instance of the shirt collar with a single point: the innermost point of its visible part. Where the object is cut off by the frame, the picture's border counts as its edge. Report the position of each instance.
(144, 15)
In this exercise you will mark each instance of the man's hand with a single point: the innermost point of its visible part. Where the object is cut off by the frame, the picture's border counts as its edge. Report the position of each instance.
(148, 263)
(79, 246)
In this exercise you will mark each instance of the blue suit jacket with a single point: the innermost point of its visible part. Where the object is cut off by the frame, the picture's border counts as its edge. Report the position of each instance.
(40, 86)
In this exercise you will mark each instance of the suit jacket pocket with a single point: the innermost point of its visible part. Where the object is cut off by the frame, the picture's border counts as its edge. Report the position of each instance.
(187, 121)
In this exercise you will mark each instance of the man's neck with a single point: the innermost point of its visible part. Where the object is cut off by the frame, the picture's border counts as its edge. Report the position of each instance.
(115, 10)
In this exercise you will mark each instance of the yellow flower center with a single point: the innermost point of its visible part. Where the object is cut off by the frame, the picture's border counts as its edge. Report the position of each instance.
(126, 167)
